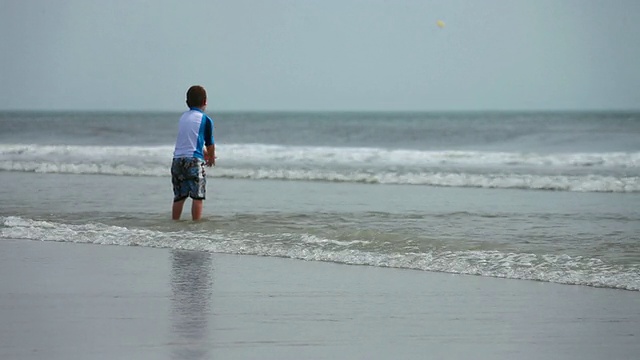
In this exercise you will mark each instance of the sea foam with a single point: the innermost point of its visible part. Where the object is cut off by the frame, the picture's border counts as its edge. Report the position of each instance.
(557, 268)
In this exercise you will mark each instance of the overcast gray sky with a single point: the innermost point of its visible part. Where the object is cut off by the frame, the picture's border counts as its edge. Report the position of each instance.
(321, 55)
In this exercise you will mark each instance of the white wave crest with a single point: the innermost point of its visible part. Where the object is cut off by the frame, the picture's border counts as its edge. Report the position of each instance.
(578, 183)
(322, 156)
(85, 168)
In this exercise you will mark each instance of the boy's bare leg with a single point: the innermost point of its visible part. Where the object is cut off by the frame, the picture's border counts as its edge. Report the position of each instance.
(196, 209)
(177, 209)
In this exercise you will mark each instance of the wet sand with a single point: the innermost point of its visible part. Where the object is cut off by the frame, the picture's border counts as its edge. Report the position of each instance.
(75, 301)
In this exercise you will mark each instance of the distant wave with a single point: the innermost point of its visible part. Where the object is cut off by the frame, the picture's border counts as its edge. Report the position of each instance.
(586, 172)
(395, 157)
(557, 268)
(590, 183)
(310, 155)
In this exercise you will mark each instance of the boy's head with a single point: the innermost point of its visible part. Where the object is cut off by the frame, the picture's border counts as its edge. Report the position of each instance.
(196, 97)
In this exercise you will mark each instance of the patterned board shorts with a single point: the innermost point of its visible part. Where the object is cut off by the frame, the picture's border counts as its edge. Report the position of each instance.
(188, 179)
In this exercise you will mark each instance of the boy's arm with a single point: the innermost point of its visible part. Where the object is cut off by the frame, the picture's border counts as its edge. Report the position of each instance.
(209, 144)
(210, 155)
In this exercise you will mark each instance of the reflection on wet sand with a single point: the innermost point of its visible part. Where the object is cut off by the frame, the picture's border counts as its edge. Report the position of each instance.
(191, 285)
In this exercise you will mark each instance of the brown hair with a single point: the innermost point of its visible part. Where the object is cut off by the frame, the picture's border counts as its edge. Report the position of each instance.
(196, 96)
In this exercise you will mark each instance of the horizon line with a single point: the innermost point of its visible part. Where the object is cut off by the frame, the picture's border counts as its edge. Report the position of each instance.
(630, 110)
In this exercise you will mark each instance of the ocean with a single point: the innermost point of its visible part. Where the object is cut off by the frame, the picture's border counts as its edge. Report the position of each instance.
(545, 196)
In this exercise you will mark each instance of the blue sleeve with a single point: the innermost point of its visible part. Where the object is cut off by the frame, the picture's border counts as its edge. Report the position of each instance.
(208, 131)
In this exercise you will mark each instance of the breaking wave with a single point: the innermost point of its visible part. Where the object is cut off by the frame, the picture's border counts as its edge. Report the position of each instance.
(587, 172)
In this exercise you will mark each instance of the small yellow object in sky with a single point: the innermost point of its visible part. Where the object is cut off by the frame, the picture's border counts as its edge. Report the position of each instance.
(440, 24)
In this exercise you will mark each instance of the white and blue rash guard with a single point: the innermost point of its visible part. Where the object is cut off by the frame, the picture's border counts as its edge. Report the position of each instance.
(195, 130)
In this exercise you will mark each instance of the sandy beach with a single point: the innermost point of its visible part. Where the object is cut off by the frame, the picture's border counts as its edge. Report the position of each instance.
(78, 301)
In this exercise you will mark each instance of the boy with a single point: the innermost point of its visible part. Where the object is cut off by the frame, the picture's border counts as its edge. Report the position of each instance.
(194, 148)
